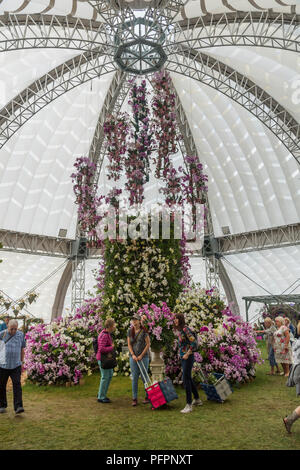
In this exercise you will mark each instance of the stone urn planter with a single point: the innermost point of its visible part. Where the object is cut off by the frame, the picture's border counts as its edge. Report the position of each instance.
(157, 364)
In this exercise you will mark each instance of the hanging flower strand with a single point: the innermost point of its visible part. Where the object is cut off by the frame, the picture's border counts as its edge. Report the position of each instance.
(164, 117)
(116, 130)
(140, 146)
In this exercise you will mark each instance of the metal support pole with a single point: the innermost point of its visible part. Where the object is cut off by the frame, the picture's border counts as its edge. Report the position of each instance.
(78, 283)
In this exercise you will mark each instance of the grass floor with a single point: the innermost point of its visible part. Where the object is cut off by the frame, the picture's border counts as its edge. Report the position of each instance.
(71, 418)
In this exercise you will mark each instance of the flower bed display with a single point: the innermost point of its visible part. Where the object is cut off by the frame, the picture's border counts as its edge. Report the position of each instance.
(226, 343)
(62, 351)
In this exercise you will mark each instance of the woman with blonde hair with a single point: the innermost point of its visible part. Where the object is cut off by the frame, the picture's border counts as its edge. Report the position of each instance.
(269, 331)
(105, 345)
(282, 346)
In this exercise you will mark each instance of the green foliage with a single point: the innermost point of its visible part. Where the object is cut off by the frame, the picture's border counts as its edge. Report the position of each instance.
(139, 272)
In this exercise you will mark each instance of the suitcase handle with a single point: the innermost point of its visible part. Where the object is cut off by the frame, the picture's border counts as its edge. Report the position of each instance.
(146, 378)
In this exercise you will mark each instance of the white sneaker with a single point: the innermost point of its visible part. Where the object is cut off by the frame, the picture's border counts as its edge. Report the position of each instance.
(187, 409)
(197, 402)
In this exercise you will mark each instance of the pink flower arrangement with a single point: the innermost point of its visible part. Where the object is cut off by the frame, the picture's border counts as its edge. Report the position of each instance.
(229, 349)
(62, 351)
(159, 323)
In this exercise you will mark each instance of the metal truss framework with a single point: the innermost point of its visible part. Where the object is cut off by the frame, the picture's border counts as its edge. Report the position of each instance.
(258, 29)
(45, 90)
(46, 31)
(269, 299)
(117, 12)
(265, 29)
(198, 66)
(266, 239)
(34, 244)
(242, 90)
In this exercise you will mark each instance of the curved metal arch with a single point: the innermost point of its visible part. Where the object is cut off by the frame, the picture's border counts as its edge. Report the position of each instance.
(265, 29)
(46, 31)
(258, 29)
(243, 91)
(46, 89)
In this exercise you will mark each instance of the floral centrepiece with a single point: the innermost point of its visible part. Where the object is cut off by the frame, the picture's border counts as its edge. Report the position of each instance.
(136, 273)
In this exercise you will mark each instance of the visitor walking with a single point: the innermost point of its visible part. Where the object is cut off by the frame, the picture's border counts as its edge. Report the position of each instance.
(3, 325)
(269, 331)
(138, 344)
(11, 365)
(187, 346)
(105, 345)
(282, 346)
(294, 380)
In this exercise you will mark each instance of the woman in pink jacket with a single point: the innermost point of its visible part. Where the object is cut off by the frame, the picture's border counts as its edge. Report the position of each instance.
(105, 345)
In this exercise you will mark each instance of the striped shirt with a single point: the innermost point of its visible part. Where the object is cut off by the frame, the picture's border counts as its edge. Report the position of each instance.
(13, 349)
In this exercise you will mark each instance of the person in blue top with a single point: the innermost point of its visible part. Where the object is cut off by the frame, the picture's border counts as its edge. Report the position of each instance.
(3, 325)
(11, 365)
(187, 346)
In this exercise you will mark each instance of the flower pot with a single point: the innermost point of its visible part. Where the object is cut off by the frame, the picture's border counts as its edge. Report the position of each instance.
(157, 365)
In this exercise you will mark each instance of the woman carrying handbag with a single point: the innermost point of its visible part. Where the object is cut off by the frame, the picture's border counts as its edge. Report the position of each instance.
(106, 349)
(138, 344)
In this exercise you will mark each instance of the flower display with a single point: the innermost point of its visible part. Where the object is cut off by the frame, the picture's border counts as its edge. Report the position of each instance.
(200, 307)
(226, 342)
(123, 367)
(136, 273)
(230, 349)
(159, 323)
(62, 351)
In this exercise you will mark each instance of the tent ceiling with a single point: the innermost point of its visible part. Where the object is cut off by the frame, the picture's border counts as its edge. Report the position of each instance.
(82, 8)
(195, 8)
(253, 179)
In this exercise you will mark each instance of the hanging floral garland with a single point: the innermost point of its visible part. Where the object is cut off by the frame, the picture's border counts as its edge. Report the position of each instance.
(164, 120)
(116, 131)
(130, 148)
(88, 202)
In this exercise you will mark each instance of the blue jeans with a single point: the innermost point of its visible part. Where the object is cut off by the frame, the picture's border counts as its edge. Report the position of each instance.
(135, 371)
(271, 358)
(106, 376)
(190, 387)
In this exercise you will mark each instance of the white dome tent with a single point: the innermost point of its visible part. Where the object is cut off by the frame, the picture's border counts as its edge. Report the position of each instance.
(235, 69)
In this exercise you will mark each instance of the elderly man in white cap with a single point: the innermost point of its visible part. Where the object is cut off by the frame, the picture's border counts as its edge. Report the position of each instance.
(11, 361)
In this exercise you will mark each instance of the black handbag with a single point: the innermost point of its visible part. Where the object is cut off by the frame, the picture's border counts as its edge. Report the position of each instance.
(109, 360)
